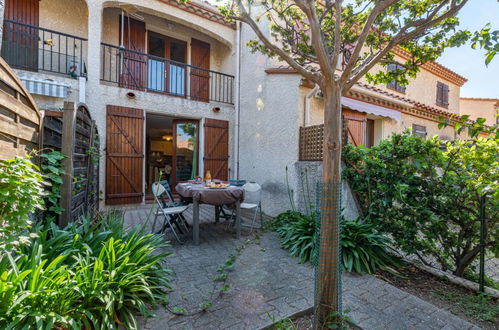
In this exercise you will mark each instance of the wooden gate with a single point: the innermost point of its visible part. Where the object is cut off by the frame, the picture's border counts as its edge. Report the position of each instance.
(124, 155)
(134, 68)
(216, 148)
(200, 79)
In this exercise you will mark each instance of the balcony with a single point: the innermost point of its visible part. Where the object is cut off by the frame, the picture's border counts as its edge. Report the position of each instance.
(140, 71)
(32, 48)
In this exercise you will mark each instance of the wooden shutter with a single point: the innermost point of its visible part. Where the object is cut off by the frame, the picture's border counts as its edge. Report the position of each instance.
(439, 93)
(445, 95)
(200, 79)
(355, 126)
(418, 130)
(134, 68)
(20, 47)
(124, 155)
(216, 148)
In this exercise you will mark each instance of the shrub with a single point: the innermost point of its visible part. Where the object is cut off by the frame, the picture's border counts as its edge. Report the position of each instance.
(427, 199)
(21, 193)
(297, 233)
(363, 248)
(93, 275)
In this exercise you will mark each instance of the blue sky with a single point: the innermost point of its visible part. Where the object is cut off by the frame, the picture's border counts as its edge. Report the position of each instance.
(482, 81)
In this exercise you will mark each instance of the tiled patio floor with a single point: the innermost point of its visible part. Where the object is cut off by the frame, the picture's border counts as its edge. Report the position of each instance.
(266, 282)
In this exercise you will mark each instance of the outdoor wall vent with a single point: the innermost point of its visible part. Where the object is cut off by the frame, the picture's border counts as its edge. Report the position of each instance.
(131, 95)
(216, 109)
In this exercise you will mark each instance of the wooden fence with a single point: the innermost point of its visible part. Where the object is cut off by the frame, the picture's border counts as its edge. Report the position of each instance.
(19, 116)
(74, 133)
(311, 143)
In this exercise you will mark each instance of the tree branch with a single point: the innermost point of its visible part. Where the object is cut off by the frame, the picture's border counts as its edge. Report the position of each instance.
(377, 10)
(246, 18)
(401, 37)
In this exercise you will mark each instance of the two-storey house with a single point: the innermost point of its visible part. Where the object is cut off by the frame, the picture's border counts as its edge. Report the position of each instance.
(158, 77)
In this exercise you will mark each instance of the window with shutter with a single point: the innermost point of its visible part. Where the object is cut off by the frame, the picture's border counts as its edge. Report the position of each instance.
(442, 94)
(394, 84)
(418, 130)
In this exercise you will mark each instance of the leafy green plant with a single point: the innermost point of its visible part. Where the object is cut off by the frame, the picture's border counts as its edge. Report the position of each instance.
(52, 169)
(297, 233)
(364, 250)
(426, 198)
(94, 275)
(21, 193)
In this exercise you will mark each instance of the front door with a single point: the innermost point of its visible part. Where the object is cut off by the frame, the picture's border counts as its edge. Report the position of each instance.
(200, 74)
(20, 40)
(185, 150)
(216, 148)
(124, 155)
(134, 63)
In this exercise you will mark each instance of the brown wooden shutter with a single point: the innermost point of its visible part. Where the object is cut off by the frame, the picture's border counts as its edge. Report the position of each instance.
(134, 69)
(200, 79)
(355, 126)
(124, 155)
(439, 93)
(445, 95)
(216, 148)
(21, 43)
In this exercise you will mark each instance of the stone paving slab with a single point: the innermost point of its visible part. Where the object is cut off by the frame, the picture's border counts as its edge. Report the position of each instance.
(267, 281)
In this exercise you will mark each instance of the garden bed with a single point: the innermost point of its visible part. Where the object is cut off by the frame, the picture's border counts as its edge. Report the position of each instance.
(477, 309)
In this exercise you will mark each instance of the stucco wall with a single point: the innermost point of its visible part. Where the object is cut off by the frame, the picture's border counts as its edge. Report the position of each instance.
(480, 108)
(269, 120)
(67, 16)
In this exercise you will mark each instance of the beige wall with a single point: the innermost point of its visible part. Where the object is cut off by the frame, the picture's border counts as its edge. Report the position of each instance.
(423, 88)
(480, 108)
(68, 16)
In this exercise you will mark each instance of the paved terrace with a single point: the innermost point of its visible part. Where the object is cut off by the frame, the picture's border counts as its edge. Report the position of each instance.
(267, 281)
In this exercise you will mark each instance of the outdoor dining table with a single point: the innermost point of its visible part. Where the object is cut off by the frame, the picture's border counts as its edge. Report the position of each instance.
(201, 194)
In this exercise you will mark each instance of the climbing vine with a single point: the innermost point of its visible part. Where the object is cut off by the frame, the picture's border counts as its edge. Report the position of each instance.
(53, 171)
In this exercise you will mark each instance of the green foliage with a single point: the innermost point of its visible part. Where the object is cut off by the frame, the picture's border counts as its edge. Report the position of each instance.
(52, 169)
(364, 250)
(487, 40)
(21, 193)
(427, 199)
(480, 306)
(298, 234)
(93, 275)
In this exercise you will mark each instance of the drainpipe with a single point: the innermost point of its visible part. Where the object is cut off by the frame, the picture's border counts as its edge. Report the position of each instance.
(306, 113)
(237, 97)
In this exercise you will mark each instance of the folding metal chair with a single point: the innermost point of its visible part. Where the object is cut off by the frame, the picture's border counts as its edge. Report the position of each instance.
(169, 209)
(252, 200)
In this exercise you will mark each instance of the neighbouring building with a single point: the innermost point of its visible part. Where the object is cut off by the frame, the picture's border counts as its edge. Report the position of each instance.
(480, 108)
(174, 90)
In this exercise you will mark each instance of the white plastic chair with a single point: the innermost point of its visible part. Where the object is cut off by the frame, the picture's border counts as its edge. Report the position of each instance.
(252, 201)
(167, 208)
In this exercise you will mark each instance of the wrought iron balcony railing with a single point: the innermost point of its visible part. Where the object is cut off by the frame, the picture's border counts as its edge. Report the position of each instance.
(139, 71)
(32, 48)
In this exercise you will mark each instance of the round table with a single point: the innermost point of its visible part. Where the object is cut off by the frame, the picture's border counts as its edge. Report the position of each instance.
(200, 194)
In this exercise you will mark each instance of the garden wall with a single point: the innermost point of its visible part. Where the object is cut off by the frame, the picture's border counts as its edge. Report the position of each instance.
(313, 173)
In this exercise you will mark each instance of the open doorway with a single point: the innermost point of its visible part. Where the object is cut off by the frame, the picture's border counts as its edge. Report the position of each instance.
(172, 150)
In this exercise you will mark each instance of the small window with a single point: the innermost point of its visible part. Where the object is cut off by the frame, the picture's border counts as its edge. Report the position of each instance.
(442, 94)
(418, 130)
(394, 84)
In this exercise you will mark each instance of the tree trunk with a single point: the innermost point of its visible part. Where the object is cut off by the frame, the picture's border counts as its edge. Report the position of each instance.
(328, 279)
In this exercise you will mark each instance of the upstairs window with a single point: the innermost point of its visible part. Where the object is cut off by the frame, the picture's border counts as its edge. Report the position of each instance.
(418, 130)
(394, 84)
(442, 94)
